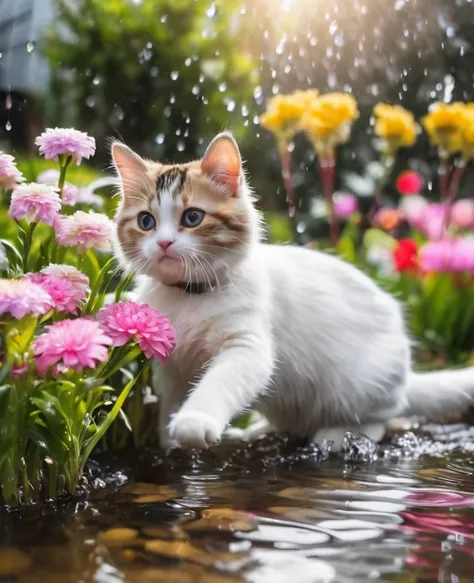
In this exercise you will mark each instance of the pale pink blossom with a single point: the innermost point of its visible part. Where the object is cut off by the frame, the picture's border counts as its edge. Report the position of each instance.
(67, 296)
(75, 344)
(35, 202)
(65, 141)
(10, 176)
(21, 296)
(345, 205)
(127, 321)
(462, 213)
(412, 209)
(448, 255)
(69, 195)
(50, 176)
(79, 279)
(84, 230)
(433, 220)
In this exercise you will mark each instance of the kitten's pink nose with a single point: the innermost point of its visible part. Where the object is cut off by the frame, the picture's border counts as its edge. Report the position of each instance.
(164, 244)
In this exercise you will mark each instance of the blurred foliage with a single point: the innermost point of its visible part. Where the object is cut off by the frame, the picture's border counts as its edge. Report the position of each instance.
(163, 75)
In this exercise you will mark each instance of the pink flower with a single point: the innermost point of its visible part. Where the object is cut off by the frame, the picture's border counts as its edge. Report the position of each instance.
(10, 176)
(67, 296)
(436, 256)
(432, 222)
(345, 205)
(130, 321)
(413, 209)
(409, 182)
(448, 255)
(65, 141)
(70, 193)
(76, 344)
(462, 213)
(84, 230)
(50, 176)
(80, 281)
(21, 296)
(35, 202)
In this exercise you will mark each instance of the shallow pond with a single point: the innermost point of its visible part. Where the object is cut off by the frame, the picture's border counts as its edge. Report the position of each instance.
(268, 513)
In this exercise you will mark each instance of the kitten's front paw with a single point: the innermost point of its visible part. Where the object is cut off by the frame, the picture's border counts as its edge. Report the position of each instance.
(195, 430)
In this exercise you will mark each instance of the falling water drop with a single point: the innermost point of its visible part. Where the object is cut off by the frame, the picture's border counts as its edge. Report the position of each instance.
(174, 75)
(222, 87)
(160, 138)
(231, 105)
(8, 101)
(180, 145)
(30, 47)
(8, 126)
(164, 18)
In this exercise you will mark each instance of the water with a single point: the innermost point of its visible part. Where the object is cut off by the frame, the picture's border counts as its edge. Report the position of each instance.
(268, 513)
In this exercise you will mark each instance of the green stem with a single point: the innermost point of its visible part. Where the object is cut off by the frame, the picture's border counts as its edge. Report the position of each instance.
(27, 245)
(62, 174)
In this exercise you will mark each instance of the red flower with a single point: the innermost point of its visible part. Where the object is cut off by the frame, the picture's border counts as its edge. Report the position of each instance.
(405, 255)
(409, 182)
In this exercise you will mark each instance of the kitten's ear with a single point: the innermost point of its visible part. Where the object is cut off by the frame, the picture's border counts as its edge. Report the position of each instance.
(128, 164)
(222, 162)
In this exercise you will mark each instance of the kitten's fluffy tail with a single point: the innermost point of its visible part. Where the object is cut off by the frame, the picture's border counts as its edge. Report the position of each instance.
(437, 392)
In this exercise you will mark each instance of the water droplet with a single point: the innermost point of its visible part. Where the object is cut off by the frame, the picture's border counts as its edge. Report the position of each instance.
(245, 110)
(8, 126)
(90, 101)
(201, 78)
(96, 80)
(160, 138)
(255, 120)
(399, 4)
(333, 27)
(30, 47)
(339, 40)
(164, 18)
(313, 41)
(172, 99)
(195, 89)
(174, 75)
(211, 11)
(275, 89)
(222, 87)
(167, 111)
(178, 132)
(287, 69)
(286, 5)
(180, 146)
(8, 101)
(188, 61)
(231, 105)
(1, 55)
(281, 46)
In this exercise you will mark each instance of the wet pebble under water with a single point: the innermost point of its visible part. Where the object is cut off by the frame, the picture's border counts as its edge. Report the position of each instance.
(270, 512)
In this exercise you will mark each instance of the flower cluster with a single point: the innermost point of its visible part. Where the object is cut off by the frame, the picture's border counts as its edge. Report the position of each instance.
(328, 121)
(451, 128)
(35, 202)
(57, 142)
(10, 176)
(395, 126)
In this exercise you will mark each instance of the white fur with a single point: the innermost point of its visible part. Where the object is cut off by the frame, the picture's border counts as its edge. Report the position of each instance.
(303, 337)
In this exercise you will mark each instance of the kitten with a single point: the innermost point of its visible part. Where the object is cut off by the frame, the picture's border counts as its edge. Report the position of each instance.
(301, 336)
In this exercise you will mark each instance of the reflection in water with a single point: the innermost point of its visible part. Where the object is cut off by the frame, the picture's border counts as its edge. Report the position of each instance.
(274, 512)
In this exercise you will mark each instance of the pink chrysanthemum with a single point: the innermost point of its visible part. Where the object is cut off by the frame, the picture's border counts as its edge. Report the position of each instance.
(80, 281)
(70, 193)
(35, 202)
(67, 297)
(10, 176)
(140, 322)
(448, 255)
(84, 230)
(65, 141)
(462, 213)
(21, 296)
(345, 205)
(76, 344)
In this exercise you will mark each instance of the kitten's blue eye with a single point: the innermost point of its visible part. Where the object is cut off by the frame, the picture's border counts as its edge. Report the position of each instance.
(192, 217)
(146, 221)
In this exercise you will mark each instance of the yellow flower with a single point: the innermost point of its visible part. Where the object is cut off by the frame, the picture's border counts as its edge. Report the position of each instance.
(284, 113)
(328, 120)
(445, 126)
(396, 126)
(467, 147)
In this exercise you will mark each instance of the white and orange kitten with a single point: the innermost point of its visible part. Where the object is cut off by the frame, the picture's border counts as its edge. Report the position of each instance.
(303, 337)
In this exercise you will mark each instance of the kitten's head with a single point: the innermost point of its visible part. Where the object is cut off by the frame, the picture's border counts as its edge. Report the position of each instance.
(184, 222)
